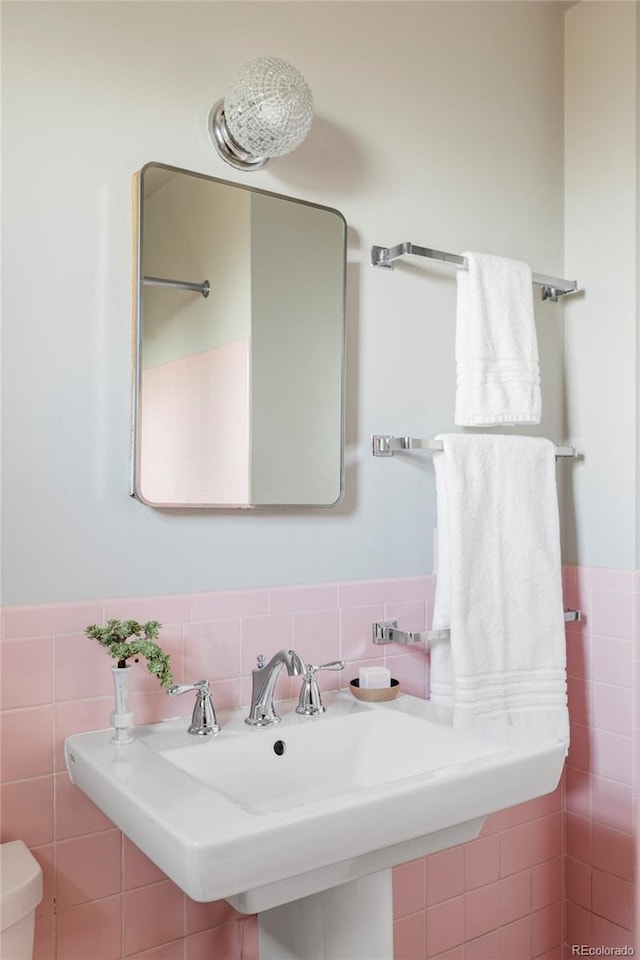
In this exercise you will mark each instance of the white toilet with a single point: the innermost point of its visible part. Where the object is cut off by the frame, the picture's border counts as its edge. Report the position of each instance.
(20, 894)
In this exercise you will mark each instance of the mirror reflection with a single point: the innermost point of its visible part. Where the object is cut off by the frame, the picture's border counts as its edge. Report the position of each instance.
(239, 364)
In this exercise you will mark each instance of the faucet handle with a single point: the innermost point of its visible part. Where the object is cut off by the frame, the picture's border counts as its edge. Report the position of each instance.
(203, 720)
(310, 701)
(332, 665)
(260, 661)
(200, 686)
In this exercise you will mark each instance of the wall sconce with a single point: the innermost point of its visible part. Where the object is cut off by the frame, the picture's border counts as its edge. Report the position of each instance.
(266, 112)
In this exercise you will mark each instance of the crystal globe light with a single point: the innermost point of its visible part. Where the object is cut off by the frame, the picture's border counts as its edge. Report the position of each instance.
(266, 112)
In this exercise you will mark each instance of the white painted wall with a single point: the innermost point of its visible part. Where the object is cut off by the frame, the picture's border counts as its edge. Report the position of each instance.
(637, 282)
(436, 122)
(601, 237)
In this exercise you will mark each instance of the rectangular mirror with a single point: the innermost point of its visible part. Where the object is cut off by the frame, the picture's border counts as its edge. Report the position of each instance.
(239, 345)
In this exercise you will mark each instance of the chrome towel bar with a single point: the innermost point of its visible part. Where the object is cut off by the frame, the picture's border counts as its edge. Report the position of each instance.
(386, 631)
(383, 445)
(552, 287)
(204, 288)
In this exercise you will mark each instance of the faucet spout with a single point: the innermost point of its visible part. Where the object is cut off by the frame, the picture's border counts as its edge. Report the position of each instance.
(262, 711)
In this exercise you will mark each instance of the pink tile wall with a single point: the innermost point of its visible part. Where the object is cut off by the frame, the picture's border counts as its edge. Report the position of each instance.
(499, 897)
(636, 752)
(194, 428)
(602, 766)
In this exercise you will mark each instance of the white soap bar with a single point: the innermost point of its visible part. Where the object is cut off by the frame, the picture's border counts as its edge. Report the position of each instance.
(372, 678)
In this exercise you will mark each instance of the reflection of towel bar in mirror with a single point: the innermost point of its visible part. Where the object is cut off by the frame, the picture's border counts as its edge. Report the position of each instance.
(386, 631)
(203, 288)
(552, 287)
(383, 445)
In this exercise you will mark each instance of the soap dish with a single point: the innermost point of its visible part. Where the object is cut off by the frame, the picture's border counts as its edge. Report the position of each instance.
(375, 694)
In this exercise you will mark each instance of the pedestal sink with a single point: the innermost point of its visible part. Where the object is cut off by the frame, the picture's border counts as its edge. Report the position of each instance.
(301, 822)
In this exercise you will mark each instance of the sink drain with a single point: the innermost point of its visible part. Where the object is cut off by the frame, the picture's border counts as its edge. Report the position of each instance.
(279, 747)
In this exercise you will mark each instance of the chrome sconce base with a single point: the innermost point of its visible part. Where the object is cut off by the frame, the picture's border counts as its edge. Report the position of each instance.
(226, 146)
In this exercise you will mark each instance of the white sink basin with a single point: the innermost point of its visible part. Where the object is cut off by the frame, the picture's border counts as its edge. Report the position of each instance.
(310, 759)
(263, 816)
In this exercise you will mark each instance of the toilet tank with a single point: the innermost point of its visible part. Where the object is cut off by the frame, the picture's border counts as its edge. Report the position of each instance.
(20, 894)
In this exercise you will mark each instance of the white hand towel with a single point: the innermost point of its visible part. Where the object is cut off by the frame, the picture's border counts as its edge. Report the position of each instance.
(496, 346)
(498, 587)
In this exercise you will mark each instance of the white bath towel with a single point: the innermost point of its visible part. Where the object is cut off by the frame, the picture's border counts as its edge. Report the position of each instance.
(497, 362)
(498, 587)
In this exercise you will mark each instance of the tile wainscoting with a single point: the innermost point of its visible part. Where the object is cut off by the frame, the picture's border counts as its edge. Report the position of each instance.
(501, 897)
(602, 771)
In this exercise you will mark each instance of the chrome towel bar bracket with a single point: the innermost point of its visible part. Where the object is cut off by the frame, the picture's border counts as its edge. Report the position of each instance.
(552, 287)
(386, 631)
(383, 445)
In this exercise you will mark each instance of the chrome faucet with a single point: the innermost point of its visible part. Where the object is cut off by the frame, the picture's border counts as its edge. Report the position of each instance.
(262, 711)
(203, 720)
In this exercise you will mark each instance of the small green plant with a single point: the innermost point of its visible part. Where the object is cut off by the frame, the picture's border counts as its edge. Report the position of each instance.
(124, 639)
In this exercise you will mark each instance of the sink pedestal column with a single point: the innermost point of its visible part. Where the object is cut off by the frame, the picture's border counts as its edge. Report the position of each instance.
(354, 921)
